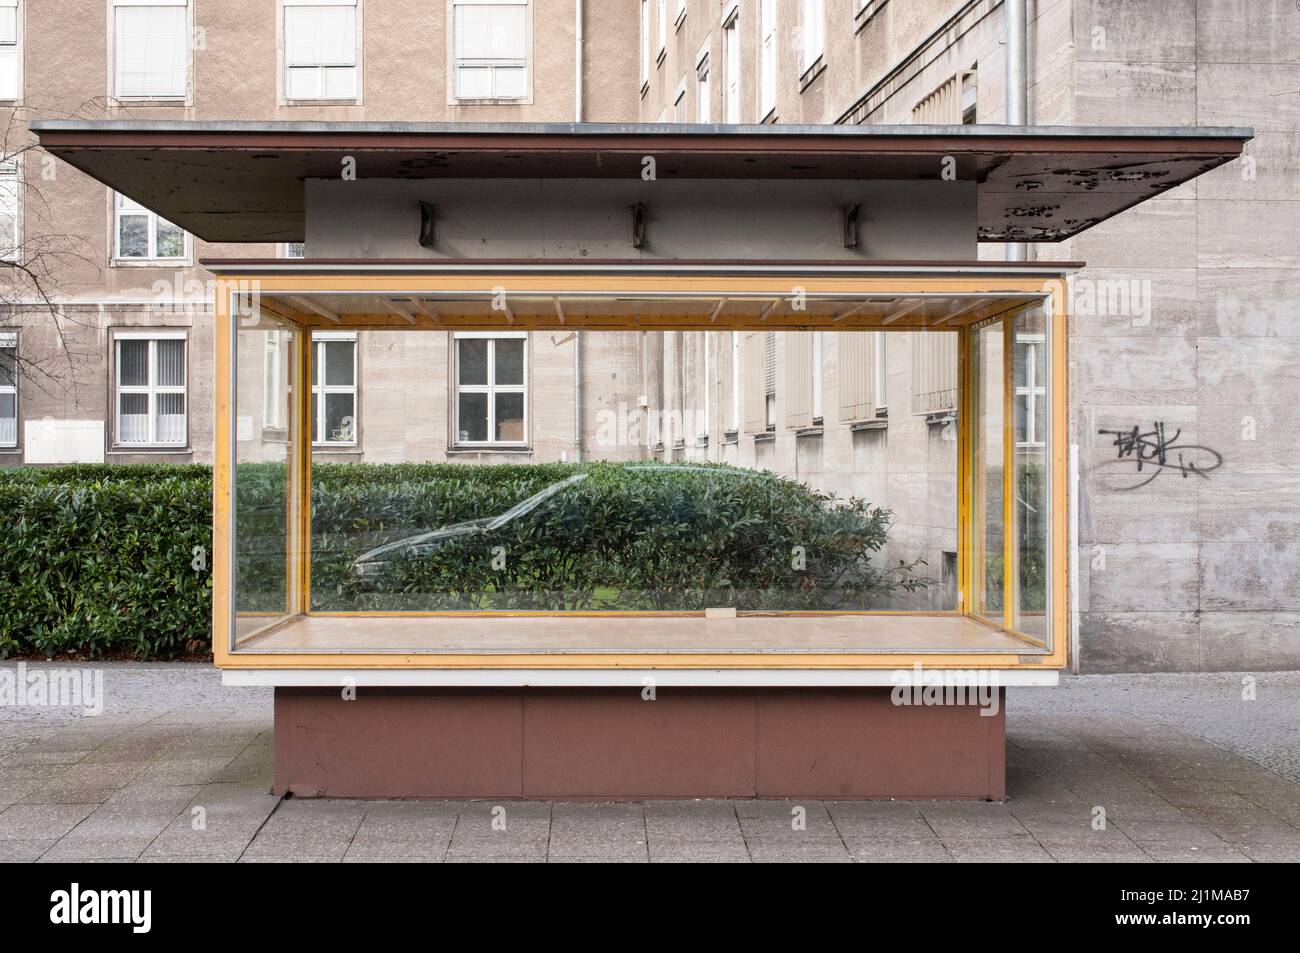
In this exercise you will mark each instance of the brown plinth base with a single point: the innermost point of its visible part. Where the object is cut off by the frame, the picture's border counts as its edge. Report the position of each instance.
(609, 744)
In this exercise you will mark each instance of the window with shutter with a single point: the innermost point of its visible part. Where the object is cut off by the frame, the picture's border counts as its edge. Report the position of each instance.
(151, 49)
(320, 49)
(798, 380)
(9, 55)
(934, 373)
(856, 363)
(491, 49)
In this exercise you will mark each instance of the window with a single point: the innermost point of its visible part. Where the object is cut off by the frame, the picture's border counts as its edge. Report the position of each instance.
(737, 360)
(813, 14)
(11, 211)
(679, 103)
(8, 388)
(151, 51)
(293, 250)
(9, 50)
(491, 406)
(769, 380)
(491, 38)
(702, 86)
(969, 97)
(334, 388)
(1031, 391)
(817, 376)
(731, 67)
(767, 53)
(151, 389)
(661, 15)
(645, 42)
(320, 49)
(680, 15)
(880, 374)
(143, 236)
(272, 382)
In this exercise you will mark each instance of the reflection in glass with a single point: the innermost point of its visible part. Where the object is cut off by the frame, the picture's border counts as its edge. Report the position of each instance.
(1032, 500)
(988, 383)
(265, 559)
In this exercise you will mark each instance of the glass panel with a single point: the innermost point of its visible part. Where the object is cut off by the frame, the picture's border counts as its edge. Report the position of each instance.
(170, 425)
(304, 82)
(473, 83)
(473, 360)
(171, 363)
(315, 419)
(1033, 497)
(339, 366)
(133, 236)
(510, 361)
(340, 82)
(8, 420)
(988, 446)
(170, 240)
(841, 520)
(133, 363)
(511, 82)
(473, 418)
(265, 501)
(133, 421)
(339, 412)
(510, 418)
(8, 367)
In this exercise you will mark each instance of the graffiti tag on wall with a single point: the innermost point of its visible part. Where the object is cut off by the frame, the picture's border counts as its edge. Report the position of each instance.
(1155, 451)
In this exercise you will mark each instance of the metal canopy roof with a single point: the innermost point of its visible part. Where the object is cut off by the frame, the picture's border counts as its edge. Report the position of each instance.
(243, 181)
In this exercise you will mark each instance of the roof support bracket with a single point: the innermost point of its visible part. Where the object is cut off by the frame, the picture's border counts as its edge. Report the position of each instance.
(851, 215)
(428, 225)
(638, 224)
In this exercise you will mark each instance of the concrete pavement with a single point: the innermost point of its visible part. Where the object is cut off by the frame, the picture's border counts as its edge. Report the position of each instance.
(177, 769)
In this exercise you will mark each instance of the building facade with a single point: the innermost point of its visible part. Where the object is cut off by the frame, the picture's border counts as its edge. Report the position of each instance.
(1188, 536)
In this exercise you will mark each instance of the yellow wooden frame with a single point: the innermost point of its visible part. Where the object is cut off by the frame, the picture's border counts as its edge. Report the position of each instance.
(999, 287)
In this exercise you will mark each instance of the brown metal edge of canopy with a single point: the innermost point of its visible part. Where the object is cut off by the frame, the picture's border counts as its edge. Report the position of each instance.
(1037, 184)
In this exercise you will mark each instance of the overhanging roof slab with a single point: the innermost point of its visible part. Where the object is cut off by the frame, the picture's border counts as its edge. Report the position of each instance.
(243, 181)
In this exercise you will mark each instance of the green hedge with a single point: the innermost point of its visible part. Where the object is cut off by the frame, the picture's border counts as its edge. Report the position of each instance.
(100, 559)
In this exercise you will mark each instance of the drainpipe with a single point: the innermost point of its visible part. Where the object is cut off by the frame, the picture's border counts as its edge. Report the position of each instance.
(1017, 84)
(578, 69)
(577, 61)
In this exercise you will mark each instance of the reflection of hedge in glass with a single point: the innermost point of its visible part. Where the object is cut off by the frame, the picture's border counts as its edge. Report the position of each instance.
(98, 559)
(600, 537)
(1031, 532)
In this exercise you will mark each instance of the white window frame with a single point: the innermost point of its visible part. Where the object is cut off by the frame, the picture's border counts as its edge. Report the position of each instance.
(645, 45)
(319, 389)
(491, 388)
(661, 23)
(703, 66)
(272, 381)
(115, 78)
(283, 53)
(14, 51)
(768, 51)
(9, 342)
(731, 55)
(453, 60)
(152, 388)
(812, 24)
(11, 184)
(152, 258)
(1032, 389)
